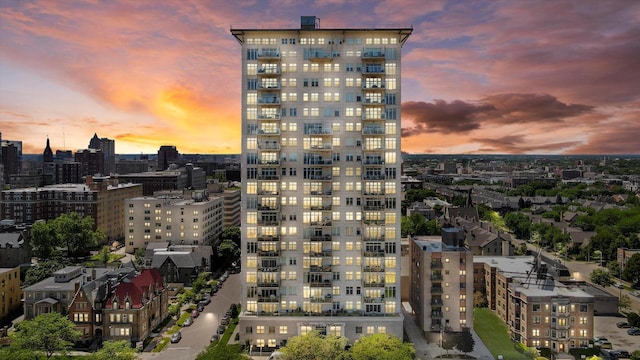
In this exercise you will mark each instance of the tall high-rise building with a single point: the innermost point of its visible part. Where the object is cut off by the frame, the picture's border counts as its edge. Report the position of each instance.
(167, 154)
(320, 181)
(108, 147)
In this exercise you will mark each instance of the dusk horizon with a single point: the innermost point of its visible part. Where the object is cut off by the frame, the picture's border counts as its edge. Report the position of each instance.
(488, 77)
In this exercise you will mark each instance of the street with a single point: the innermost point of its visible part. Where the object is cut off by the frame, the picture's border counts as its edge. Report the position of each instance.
(195, 338)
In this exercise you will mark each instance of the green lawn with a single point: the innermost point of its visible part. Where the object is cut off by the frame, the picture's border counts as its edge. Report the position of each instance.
(494, 334)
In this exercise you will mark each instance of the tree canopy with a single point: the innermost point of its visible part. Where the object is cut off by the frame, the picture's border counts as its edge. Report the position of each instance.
(631, 271)
(382, 347)
(115, 350)
(601, 277)
(314, 346)
(68, 231)
(47, 333)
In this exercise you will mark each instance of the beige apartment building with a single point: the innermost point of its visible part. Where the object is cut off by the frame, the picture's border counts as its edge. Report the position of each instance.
(320, 181)
(442, 282)
(11, 298)
(195, 221)
(538, 310)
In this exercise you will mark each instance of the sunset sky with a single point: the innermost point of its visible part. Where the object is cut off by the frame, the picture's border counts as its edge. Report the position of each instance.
(514, 77)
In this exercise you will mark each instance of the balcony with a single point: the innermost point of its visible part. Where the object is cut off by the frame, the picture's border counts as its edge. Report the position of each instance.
(327, 207)
(320, 177)
(268, 222)
(268, 269)
(320, 238)
(376, 148)
(269, 86)
(320, 269)
(373, 54)
(374, 238)
(436, 314)
(379, 207)
(268, 177)
(269, 284)
(268, 117)
(322, 162)
(269, 238)
(269, 162)
(436, 264)
(269, 71)
(436, 289)
(374, 116)
(373, 284)
(374, 177)
(373, 130)
(325, 146)
(374, 222)
(436, 276)
(374, 300)
(374, 193)
(320, 223)
(323, 253)
(373, 86)
(268, 145)
(318, 131)
(268, 207)
(373, 70)
(268, 192)
(373, 161)
(269, 132)
(269, 100)
(269, 298)
(323, 284)
(436, 302)
(379, 253)
(265, 54)
(268, 253)
(321, 299)
(370, 102)
(373, 269)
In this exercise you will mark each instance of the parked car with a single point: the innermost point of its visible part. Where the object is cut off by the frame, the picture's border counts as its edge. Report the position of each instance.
(195, 313)
(605, 345)
(599, 339)
(633, 331)
(206, 299)
(224, 321)
(176, 337)
(221, 329)
(214, 337)
(623, 325)
(621, 354)
(188, 321)
(200, 307)
(619, 286)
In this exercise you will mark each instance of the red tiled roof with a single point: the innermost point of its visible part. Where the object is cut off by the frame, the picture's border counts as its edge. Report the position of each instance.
(137, 289)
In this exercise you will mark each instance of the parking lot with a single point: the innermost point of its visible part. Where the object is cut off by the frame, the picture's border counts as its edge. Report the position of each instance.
(606, 326)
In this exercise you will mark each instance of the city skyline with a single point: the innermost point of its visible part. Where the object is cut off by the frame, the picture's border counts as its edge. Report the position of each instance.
(481, 77)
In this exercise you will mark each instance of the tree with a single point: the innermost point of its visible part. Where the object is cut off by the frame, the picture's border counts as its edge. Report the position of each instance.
(382, 347)
(138, 259)
(43, 240)
(104, 255)
(465, 342)
(76, 233)
(601, 277)
(633, 319)
(631, 271)
(314, 346)
(48, 333)
(228, 251)
(115, 350)
(624, 302)
(448, 341)
(635, 355)
(41, 271)
(480, 299)
(231, 233)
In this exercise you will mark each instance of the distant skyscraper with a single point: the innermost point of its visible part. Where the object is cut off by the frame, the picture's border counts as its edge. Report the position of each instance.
(91, 160)
(167, 155)
(320, 182)
(47, 155)
(108, 148)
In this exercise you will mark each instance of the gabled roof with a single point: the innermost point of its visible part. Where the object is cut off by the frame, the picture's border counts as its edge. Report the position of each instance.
(10, 240)
(137, 289)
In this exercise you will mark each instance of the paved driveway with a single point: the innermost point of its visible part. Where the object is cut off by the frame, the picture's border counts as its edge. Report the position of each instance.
(606, 326)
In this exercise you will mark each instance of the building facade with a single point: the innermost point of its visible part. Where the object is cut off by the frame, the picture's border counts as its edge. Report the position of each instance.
(232, 205)
(442, 282)
(320, 182)
(108, 147)
(173, 219)
(10, 290)
(91, 161)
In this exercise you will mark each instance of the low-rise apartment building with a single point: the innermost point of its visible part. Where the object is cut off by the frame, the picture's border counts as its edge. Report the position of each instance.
(538, 309)
(442, 282)
(195, 221)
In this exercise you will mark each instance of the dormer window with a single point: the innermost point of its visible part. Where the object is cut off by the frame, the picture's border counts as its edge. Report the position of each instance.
(127, 305)
(115, 304)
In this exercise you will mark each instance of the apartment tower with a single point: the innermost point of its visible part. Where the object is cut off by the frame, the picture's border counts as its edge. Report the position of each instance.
(320, 182)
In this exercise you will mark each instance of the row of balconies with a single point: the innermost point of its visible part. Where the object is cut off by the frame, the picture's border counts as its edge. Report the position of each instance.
(323, 53)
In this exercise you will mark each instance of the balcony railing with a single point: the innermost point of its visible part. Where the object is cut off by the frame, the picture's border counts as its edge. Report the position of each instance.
(373, 269)
(379, 253)
(374, 238)
(269, 71)
(269, 238)
(374, 300)
(376, 86)
(318, 162)
(374, 207)
(320, 223)
(373, 54)
(374, 161)
(268, 54)
(269, 162)
(323, 253)
(374, 222)
(318, 131)
(268, 177)
(325, 283)
(436, 276)
(378, 130)
(373, 193)
(320, 55)
(374, 177)
(268, 253)
(272, 100)
(327, 146)
(321, 238)
(268, 192)
(268, 284)
(316, 269)
(270, 207)
(269, 86)
(268, 146)
(373, 70)
(373, 284)
(268, 131)
(436, 264)
(321, 207)
(269, 269)
(382, 101)
(268, 222)
(269, 299)
(321, 299)
(436, 289)
(436, 314)
(381, 116)
(436, 302)
(269, 117)
(322, 177)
